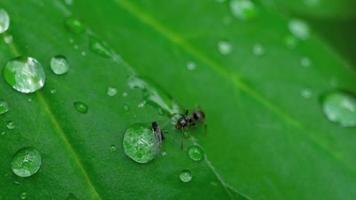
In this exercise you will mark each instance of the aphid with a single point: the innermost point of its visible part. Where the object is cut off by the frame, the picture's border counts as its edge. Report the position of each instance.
(187, 121)
(159, 133)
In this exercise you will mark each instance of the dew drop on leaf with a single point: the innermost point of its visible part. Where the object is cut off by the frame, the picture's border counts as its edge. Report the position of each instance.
(99, 48)
(224, 47)
(80, 107)
(305, 62)
(185, 176)
(74, 25)
(10, 125)
(258, 50)
(340, 107)
(191, 66)
(195, 153)
(306, 93)
(299, 29)
(24, 74)
(59, 65)
(111, 91)
(140, 143)
(26, 162)
(4, 107)
(113, 148)
(4, 21)
(243, 9)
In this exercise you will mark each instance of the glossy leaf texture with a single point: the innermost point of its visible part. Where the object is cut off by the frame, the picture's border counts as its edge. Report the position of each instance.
(264, 139)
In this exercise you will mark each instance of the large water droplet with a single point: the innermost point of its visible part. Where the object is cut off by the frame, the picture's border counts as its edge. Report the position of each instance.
(154, 95)
(195, 153)
(243, 9)
(24, 74)
(299, 29)
(224, 47)
(185, 176)
(4, 21)
(140, 143)
(99, 48)
(340, 107)
(74, 25)
(4, 107)
(111, 91)
(26, 162)
(59, 65)
(80, 107)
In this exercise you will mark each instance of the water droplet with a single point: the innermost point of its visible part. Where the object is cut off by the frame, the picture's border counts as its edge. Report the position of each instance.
(3, 133)
(24, 74)
(154, 95)
(4, 107)
(59, 65)
(224, 47)
(113, 148)
(185, 176)
(305, 62)
(8, 39)
(191, 66)
(74, 25)
(4, 21)
(243, 9)
(80, 107)
(83, 53)
(306, 93)
(164, 153)
(10, 125)
(99, 48)
(340, 107)
(142, 104)
(125, 94)
(195, 153)
(23, 195)
(71, 197)
(258, 50)
(299, 29)
(111, 91)
(53, 91)
(140, 143)
(26, 162)
(126, 108)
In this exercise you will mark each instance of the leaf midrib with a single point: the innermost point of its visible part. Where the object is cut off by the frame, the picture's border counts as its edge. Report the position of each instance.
(233, 77)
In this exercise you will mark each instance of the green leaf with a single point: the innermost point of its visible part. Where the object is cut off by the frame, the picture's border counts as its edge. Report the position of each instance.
(264, 139)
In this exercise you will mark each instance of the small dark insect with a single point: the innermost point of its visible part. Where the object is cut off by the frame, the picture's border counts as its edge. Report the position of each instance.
(159, 133)
(186, 120)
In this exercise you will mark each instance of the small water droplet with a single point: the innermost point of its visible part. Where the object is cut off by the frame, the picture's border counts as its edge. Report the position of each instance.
(340, 107)
(299, 29)
(24, 74)
(258, 50)
(185, 176)
(142, 104)
(113, 148)
(53, 91)
(29, 100)
(4, 21)
(8, 39)
(140, 143)
(243, 9)
(80, 107)
(83, 53)
(125, 94)
(26, 162)
(111, 91)
(23, 195)
(191, 66)
(4, 107)
(99, 48)
(164, 153)
(3, 133)
(74, 25)
(306, 93)
(126, 108)
(224, 47)
(10, 125)
(59, 65)
(305, 62)
(195, 153)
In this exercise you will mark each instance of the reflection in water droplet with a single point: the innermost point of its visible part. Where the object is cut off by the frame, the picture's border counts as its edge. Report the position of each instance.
(111, 91)
(24, 74)
(154, 95)
(10, 125)
(185, 176)
(140, 143)
(74, 25)
(195, 153)
(243, 9)
(80, 107)
(4, 21)
(99, 48)
(59, 65)
(299, 29)
(258, 50)
(224, 47)
(340, 107)
(191, 66)
(26, 162)
(4, 107)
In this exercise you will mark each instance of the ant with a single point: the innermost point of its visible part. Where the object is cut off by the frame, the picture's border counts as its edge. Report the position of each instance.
(186, 120)
(159, 133)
